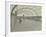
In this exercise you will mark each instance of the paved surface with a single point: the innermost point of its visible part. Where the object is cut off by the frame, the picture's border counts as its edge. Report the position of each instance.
(26, 25)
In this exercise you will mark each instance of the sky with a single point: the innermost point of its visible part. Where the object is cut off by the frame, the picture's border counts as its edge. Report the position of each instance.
(27, 10)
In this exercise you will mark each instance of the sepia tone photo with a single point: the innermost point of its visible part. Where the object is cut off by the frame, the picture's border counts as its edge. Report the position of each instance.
(25, 18)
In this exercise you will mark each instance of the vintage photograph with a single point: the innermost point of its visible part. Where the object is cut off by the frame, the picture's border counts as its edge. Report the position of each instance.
(25, 18)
